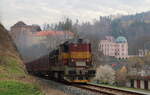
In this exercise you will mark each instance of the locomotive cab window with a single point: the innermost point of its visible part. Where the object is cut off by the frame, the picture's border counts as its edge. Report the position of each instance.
(56, 52)
(65, 48)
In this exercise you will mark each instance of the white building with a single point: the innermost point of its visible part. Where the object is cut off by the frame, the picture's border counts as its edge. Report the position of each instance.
(117, 48)
(143, 52)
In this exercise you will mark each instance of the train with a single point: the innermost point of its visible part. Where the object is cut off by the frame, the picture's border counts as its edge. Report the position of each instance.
(71, 61)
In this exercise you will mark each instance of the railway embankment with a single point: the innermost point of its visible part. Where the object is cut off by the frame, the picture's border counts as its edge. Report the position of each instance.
(64, 89)
(13, 76)
(14, 80)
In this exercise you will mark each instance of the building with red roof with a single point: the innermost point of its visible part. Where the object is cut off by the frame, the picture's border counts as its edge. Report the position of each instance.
(53, 33)
(51, 38)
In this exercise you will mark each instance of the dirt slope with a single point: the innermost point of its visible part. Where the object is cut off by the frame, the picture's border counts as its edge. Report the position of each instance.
(6, 44)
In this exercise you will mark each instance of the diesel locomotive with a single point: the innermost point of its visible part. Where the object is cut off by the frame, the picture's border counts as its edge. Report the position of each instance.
(71, 61)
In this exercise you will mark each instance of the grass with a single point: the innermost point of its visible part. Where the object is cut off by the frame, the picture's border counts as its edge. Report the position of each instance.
(18, 88)
(14, 79)
(11, 68)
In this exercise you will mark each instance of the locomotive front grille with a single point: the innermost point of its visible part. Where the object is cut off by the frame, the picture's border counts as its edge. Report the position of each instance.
(82, 72)
(80, 78)
(72, 72)
(91, 72)
(77, 72)
(80, 64)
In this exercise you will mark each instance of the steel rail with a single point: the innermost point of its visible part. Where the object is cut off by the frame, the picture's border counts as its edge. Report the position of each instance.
(106, 90)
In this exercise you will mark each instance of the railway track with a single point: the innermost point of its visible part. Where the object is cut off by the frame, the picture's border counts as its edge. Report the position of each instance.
(102, 90)
(106, 90)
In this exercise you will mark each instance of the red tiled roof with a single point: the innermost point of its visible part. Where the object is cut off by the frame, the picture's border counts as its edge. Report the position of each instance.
(46, 33)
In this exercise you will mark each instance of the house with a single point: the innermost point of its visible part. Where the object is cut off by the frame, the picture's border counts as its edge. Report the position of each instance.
(139, 78)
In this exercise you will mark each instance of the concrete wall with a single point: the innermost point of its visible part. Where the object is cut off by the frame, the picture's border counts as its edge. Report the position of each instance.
(149, 84)
(135, 84)
(142, 84)
(128, 84)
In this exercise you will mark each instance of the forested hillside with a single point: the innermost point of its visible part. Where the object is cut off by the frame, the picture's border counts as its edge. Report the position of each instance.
(136, 28)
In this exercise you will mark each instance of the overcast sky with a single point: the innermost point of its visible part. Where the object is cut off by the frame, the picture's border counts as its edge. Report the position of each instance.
(51, 11)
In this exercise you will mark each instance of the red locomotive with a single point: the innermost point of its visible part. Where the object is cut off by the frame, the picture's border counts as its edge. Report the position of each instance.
(72, 61)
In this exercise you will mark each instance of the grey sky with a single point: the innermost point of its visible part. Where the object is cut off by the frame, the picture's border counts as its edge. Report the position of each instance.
(51, 11)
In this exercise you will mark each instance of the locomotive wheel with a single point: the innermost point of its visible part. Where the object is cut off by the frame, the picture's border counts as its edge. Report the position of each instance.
(61, 76)
(51, 75)
(56, 75)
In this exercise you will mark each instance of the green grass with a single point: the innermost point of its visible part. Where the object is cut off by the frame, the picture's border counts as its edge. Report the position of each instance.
(11, 74)
(18, 88)
(10, 68)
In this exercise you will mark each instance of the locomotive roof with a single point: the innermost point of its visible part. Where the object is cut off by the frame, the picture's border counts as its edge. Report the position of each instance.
(76, 40)
(54, 52)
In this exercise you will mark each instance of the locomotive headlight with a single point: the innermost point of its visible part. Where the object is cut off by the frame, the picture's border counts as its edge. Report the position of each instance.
(72, 72)
(75, 45)
(72, 60)
(87, 60)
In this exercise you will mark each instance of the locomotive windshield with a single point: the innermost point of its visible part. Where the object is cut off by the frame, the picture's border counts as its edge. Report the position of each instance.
(65, 48)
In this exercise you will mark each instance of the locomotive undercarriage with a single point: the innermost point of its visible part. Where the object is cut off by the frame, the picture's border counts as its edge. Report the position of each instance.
(80, 75)
(70, 74)
(73, 74)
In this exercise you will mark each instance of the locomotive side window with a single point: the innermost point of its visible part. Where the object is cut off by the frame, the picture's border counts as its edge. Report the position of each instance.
(65, 48)
(80, 40)
(56, 52)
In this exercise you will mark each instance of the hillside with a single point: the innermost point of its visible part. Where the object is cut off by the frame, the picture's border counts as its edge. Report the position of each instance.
(136, 28)
(144, 16)
(13, 78)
